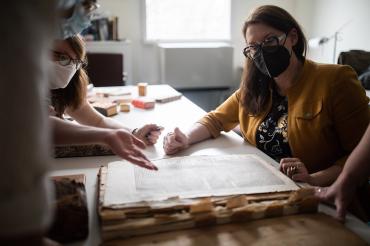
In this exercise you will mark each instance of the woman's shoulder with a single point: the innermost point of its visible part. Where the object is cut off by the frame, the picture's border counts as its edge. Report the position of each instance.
(320, 79)
(332, 71)
(331, 75)
(337, 81)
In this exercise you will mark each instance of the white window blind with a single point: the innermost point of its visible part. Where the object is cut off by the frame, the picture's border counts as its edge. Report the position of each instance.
(187, 20)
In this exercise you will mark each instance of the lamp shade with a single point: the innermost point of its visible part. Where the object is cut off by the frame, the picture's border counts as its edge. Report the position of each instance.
(318, 41)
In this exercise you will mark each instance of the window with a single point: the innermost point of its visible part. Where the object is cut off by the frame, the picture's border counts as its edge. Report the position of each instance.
(187, 20)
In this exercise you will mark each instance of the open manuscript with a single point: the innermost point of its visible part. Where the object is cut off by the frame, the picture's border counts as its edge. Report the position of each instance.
(193, 191)
(192, 177)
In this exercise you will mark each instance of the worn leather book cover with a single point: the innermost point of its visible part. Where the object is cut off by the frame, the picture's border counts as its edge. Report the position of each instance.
(71, 221)
(81, 150)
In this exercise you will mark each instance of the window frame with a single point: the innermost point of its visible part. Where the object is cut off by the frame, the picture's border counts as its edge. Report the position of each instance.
(152, 41)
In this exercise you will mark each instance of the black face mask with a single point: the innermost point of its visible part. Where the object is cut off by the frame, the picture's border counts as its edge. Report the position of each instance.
(272, 63)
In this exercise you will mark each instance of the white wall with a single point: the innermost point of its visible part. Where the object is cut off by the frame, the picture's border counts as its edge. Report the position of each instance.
(324, 17)
(317, 17)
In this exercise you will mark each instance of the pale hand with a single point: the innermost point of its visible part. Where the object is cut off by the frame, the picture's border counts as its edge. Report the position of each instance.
(294, 169)
(175, 141)
(126, 145)
(339, 193)
(149, 134)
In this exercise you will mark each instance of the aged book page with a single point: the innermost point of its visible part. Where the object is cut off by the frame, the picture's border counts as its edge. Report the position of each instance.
(191, 177)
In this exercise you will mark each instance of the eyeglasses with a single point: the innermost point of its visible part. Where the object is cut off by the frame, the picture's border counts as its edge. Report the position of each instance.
(65, 60)
(270, 45)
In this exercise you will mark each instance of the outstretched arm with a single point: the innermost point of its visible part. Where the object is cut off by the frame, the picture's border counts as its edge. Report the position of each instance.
(177, 140)
(87, 115)
(297, 171)
(355, 171)
(122, 142)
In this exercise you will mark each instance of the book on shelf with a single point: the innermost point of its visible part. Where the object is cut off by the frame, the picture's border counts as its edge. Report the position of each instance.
(102, 29)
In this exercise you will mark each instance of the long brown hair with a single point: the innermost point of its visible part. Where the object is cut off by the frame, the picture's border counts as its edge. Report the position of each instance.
(73, 95)
(255, 86)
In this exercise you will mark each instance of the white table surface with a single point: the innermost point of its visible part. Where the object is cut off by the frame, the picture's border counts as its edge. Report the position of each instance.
(181, 113)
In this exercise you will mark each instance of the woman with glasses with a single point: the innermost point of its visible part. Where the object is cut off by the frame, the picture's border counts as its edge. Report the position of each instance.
(68, 95)
(305, 115)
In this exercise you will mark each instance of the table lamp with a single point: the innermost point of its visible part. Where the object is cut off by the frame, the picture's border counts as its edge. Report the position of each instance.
(319, 41)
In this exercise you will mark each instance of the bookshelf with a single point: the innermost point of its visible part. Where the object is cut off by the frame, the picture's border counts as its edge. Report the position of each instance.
(115, 47)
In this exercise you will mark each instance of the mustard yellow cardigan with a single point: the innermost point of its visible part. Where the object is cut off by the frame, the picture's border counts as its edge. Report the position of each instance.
(328, 113)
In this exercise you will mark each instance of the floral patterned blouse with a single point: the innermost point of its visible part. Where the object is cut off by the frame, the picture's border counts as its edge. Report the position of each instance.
(272, 133)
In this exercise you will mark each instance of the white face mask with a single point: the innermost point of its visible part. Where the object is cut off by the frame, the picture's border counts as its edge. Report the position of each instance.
(62, 75)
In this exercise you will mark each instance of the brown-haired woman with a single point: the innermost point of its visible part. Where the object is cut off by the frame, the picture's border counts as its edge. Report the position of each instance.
(305, 115)
(68, 94)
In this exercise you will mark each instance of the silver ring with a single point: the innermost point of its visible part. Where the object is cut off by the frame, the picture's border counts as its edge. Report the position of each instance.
(293, 170)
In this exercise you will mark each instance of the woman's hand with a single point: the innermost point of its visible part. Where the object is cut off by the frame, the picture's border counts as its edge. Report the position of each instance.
(148, 134)
(341, 193)
(124, 144)
(295, 169)
(175, 141)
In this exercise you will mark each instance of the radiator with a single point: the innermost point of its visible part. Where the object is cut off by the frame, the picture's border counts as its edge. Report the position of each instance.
(196, 65)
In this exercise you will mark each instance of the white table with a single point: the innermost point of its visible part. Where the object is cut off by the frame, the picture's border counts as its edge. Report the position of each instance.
(181, 113)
